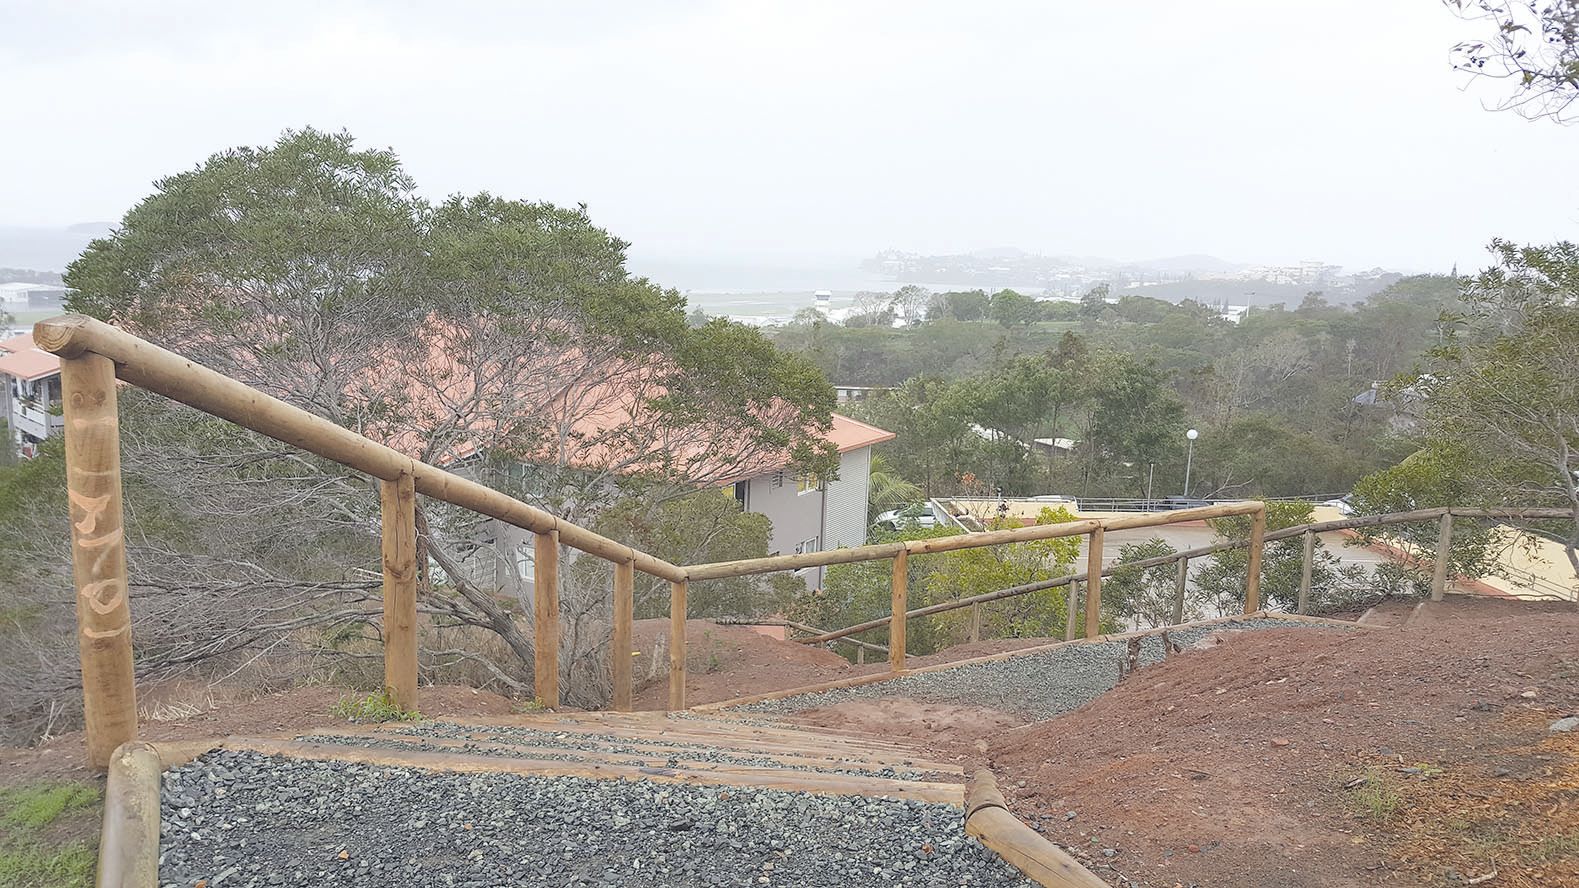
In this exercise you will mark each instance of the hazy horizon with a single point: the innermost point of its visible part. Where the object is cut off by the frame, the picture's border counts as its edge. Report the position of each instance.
(801, 137)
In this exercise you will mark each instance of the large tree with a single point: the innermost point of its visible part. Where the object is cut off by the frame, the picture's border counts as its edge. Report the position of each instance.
(500, 337)
(1534, 45)
(1507, 387)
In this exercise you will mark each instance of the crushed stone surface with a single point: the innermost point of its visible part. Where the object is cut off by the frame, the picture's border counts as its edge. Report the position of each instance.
(1036, 685)
(235, 819)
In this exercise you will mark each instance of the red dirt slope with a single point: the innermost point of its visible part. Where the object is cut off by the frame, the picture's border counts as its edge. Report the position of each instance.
(1412, 756)
(725, 662)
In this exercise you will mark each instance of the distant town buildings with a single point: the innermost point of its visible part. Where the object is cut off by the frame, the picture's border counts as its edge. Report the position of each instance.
(29, 394)
(16, 295)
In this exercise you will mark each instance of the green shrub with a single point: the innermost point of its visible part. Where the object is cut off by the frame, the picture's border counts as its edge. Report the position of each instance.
(377, 707)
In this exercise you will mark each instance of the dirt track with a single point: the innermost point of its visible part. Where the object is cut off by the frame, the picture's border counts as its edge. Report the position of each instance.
(1228, 767)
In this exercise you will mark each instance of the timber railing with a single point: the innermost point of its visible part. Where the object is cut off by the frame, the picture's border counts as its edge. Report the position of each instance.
(94, 355)
(1439, 564)
(899, 553)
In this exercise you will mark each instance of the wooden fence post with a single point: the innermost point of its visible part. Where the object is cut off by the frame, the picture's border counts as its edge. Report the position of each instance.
(1094, 585)
(545, 608)
(624, 610)
(1304, 575)
(1179, 586)
(677, 645)
(98, 554)
(398, 528)
(896, 622)
(1072, 607)
(1444, 549)
(975, 622)
(1253, 566)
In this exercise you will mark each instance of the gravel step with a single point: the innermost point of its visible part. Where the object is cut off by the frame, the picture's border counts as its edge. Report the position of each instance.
(576, 747)
(239, 819)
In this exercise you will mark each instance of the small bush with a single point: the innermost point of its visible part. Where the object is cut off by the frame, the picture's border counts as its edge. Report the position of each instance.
(1375, 800)
(374, 708)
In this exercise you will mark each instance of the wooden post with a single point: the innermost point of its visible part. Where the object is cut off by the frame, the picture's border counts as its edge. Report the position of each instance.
(1444, 549)
(624, 610)
(898, 606)
(1179, 587)
(1253, 566)
(860, 655)
(1305, 571)
(545, 612)
(98, 554)
(975, 622)
(677, 645)
(1094, 585)
(398, 505)
(1072, 608)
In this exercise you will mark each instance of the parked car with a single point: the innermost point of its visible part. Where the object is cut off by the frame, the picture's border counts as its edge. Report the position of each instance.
(914, 515)
(1184, 502)
(1343, 504)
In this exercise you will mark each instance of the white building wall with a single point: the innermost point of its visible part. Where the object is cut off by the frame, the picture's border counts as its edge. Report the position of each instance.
(846, 500)
(796, 516)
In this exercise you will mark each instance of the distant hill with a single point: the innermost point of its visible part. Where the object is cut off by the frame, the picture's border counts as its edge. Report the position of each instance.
(46, 249)
(29, 276)
(1197, 262)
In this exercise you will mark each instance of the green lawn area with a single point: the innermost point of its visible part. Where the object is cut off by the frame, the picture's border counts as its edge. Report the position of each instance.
(48, 832)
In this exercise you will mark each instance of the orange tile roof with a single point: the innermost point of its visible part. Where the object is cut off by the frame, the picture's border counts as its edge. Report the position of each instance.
(851, 434)
(19, 358)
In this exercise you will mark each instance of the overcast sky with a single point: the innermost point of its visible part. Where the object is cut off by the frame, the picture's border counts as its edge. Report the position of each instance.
(1256, 131)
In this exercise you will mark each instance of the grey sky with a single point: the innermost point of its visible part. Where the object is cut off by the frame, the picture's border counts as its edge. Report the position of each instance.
(1256, 131)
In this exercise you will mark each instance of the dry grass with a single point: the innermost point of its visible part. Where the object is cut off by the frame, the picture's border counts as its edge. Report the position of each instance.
(1515, 813)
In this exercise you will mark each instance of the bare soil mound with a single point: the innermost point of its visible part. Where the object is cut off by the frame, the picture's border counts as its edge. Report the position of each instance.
(946, 727)
(724, 662)
(1411, 756)
(278, 714)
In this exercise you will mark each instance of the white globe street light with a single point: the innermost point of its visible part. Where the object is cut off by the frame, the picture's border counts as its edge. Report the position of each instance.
(1189, 458)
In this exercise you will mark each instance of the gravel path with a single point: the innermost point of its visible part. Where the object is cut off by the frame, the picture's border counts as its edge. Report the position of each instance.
(1036, 686)
(579, 746)
(236, 819)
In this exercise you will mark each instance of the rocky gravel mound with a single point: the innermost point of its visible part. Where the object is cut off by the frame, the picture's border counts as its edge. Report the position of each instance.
(1035, 686)
(235, 820)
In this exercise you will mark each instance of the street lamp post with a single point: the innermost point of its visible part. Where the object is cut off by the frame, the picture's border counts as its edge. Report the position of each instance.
(1189, 458)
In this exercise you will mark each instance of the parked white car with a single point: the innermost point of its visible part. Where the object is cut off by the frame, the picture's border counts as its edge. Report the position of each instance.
(1344, 506)
(915, 515)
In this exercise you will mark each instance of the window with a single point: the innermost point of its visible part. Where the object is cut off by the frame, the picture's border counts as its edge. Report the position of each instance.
(777, 481)
(525, 561)
(808, 483)
(804, 546)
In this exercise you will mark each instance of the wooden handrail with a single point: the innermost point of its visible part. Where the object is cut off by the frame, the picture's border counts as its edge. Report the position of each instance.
(1184, 556)
(882, 551)
(164, 372)
(94, 354)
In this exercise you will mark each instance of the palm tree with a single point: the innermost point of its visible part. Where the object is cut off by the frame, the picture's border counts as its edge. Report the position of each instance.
(887, 490)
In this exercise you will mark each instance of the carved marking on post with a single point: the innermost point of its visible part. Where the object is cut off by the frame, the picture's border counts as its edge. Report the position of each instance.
(92, 593)
(92, 509)
(98, 553)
